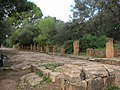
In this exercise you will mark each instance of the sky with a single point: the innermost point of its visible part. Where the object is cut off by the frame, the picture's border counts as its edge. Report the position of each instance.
(55, 8)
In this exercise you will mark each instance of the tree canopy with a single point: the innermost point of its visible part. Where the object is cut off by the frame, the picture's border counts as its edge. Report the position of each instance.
(93, 21)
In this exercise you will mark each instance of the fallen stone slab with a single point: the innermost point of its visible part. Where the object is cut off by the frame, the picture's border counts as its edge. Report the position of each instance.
(32, 79)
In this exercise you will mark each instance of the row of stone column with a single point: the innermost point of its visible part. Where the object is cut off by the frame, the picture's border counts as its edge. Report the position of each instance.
(109, 52)
(47, 48)
(38, 48)
(75, 48)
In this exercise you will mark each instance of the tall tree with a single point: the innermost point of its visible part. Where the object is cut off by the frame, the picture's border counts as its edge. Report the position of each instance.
(14, 12)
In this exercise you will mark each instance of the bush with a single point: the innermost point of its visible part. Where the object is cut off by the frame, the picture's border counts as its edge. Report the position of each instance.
(112, 88)
(89, 41)
(117, 45)
(68, 46)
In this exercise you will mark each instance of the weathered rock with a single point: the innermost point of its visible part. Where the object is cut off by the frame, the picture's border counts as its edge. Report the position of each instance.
(54, 76)
(71, 72)
(76, 86)
(95, 84)
(94, 71)
(117, 79)
(31, 79)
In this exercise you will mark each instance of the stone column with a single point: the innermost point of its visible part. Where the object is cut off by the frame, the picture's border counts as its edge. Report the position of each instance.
(31, 47)
(38, 47)
(62, 50)
(47, 48)
(34, 47)
(90, 52)
(41, 48)
(22, 47)
(18, 47)
(54, 49)
(76, 47)
(109, 48)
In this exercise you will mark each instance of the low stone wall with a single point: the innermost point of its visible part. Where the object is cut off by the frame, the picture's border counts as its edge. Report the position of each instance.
(109, 61)
(100, 53)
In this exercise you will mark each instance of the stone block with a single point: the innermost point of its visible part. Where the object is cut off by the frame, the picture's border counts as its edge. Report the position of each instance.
(32, 79)
(38, 47)
(31, 47)
(76, 47)
(33, 68)
(54, 76)
(82, 85)
(110, 80)
(47, 48)
(71, 72)
(95, 84)
(94, 71)
(109, 48)
(62, 50)
(90, 52)
(117, 79)
(54, 49)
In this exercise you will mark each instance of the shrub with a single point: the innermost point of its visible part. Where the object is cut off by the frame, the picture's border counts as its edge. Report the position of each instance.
(89, 41)
(68, 46)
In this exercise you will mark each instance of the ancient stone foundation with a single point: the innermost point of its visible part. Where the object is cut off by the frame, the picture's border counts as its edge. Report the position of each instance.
(82, 76)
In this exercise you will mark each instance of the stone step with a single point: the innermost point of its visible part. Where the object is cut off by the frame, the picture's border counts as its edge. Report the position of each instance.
(53, 75)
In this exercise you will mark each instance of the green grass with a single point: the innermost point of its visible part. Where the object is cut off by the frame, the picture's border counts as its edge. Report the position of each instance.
(45, 79)
(112, 88)
(49, 66)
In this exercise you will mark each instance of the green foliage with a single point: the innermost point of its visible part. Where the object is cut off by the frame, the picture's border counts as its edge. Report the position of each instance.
(89, 41)
(24, 35)
(98, 17)
(46, 79)
(5, 29)
(50, 66)
(14, 14)
(7, 43)
(112, 88)
(40, 74)
(68, 46)
(117, 45)
(47, 31)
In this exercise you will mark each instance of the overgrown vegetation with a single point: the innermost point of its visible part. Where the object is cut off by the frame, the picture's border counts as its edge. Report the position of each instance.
(93, 21)
(49, 66)
(112, 88)
(45, 79)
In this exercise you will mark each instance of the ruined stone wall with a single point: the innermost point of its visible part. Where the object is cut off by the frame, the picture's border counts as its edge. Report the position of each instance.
(100, 53)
